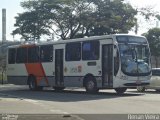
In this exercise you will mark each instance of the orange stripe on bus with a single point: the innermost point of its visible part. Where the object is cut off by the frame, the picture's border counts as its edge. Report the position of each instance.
(37, 70)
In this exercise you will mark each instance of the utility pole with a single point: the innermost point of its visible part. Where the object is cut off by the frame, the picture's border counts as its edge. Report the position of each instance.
(136, 27)
(3, 25)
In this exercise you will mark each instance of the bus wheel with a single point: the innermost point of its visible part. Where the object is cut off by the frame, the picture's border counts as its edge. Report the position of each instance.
(59, 88)
(120, 90)
(140, 89)
(157, 90)
(32, 83)
(39, 88)
(91, 85)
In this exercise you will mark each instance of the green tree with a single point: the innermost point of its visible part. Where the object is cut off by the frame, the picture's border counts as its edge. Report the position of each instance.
(113, 17)
(74, 18)
(30, 26)
(61, 17)
(153, 37)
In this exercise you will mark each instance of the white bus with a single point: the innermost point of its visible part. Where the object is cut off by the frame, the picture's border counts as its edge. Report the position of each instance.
(115, 62)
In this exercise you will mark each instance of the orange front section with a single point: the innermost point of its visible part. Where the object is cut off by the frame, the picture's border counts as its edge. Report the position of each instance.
(37, 70)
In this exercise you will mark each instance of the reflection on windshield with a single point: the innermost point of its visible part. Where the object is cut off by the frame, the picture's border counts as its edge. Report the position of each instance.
(135, 58)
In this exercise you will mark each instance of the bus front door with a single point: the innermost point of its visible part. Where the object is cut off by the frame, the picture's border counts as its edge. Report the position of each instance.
(59, 81)
(107, 65)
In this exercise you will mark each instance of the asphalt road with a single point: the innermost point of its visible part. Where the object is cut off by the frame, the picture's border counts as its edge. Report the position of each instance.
(76, 103)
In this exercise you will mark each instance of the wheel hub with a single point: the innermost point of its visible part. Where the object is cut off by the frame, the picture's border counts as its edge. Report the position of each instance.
(90, 85)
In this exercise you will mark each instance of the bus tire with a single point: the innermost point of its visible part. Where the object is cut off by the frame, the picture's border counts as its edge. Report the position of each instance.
(157, 90)
(141, 88)
(58, 88)
(91, 85)
(32, 84)
(120, 90)
(39, 88)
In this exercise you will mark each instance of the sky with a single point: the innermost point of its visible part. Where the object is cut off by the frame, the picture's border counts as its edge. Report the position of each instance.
(13, 7)
(143, 25)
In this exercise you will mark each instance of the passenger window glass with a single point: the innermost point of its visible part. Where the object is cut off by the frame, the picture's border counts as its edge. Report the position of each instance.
(73, 52)
(21, 55)
(46, 53)
(11, 55)
(33, 54)
(90, 50)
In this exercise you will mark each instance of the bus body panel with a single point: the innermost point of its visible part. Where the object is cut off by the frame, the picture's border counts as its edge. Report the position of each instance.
(49, 73)
(17, 74)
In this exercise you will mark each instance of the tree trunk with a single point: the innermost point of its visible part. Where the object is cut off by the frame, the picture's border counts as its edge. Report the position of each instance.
(156, 60)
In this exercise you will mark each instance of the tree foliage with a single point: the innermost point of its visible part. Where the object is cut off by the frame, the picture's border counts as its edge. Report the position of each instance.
(74, 18)
(153, 37)
(30, 26)
(113, 17)
(147, 12)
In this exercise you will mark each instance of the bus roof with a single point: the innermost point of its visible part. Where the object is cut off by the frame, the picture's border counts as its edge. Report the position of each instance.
(73, 40)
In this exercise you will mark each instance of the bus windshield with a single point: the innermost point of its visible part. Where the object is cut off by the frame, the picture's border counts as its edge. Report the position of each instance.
(134, 53)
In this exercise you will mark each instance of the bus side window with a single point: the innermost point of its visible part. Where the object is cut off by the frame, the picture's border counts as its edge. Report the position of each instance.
(90, 50)
(33, 54)
(73, 51)
(46, 53)
(12, 56)
(21, 55)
